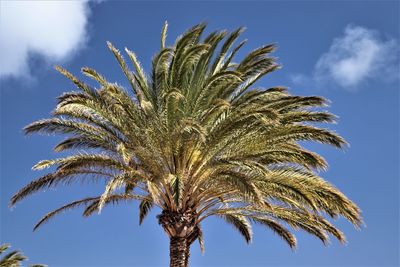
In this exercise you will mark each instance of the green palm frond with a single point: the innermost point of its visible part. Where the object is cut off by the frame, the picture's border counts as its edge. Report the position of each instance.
(144, 208)
(240, 223)
(286, 235)
(71, 205)
(14, 258)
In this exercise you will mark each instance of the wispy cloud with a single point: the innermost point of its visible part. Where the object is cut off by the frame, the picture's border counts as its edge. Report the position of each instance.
(53, 30)
(359, 55)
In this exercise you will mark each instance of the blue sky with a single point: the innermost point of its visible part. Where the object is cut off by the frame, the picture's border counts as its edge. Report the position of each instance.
(345, 51)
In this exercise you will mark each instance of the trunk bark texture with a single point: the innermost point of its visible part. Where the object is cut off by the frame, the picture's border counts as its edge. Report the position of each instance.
(178, 252)
(182, 230)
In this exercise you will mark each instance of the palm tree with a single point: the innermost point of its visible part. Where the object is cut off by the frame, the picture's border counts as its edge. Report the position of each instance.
(195, 139)
(14, 258)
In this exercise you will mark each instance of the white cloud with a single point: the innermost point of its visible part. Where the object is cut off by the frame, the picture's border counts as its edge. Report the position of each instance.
(359, 55)
(51, 29)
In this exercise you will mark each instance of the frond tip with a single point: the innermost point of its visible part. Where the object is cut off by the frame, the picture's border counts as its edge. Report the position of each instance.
(286, 235)
(164, 34)
(240, 223)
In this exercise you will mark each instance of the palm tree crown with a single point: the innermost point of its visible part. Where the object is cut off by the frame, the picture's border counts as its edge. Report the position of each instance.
(195, 139)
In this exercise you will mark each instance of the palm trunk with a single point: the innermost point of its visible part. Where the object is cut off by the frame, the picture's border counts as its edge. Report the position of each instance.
(187, 255)
(182, 229)
(179, 252)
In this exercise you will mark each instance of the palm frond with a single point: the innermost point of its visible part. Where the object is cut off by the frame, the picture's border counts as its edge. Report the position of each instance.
(144, 208)
(286, 235)
(66, 207)
(240, 223)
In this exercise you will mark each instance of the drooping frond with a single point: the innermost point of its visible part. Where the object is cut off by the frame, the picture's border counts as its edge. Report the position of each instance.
(54, 179)
(144, 208)
(240, 223)
(71, 205)
(91, 204)
(278, 229)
